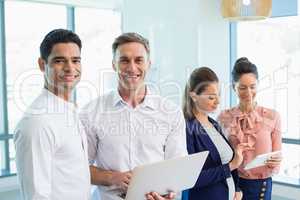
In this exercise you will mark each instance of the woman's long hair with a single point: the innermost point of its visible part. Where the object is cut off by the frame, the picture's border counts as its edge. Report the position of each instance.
(198, 81)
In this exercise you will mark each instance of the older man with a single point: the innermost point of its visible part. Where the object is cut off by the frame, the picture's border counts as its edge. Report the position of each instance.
(132, 125)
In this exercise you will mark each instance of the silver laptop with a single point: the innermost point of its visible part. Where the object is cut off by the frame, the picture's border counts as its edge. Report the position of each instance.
(169, 175)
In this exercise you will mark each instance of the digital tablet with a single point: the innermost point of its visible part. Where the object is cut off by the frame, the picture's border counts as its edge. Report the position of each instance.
(169, 175)
(261, 159)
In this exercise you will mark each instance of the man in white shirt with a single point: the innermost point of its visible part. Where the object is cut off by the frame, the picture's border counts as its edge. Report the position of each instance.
(131, 126)
(51, 146)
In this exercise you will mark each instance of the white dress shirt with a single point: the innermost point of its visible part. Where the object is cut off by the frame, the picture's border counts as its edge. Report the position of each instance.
(121, 137)
(51, 151)
(225, 152)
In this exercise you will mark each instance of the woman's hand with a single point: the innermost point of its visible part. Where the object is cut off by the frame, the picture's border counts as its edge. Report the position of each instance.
(238, 155)
(274, 161)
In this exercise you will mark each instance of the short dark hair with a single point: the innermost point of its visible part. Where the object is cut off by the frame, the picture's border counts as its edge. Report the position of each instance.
(243, 66)
(57, 36)
(130, 37)
(198, 81)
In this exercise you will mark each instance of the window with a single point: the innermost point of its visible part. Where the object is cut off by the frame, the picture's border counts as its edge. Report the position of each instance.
(24, 80)
(97, 37)
(2, 156)
(273, 45)
(21, 81)
(23, 37)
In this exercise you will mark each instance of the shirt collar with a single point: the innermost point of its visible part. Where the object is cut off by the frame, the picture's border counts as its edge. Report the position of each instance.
(116, 98)
(149, 100)
(57, 102)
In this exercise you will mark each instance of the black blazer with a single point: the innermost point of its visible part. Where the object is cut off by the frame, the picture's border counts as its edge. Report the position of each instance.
(211, 183)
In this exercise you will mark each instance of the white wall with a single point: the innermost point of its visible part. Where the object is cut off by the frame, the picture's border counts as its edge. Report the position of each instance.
(213, 45)
(183, 35)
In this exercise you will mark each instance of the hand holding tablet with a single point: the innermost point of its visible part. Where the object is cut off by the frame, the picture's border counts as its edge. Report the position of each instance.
(274, 161)
(270, 159)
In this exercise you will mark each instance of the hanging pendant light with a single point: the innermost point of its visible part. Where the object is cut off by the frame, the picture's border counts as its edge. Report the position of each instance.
(246, 9)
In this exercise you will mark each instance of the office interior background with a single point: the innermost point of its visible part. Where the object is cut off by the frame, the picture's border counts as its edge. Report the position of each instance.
(182, 34)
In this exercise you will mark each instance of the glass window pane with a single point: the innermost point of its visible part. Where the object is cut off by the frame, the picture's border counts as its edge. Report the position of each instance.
(24, 32)
(2, 158)
(12, 155)
(2, 107)
(97, 37)
(290, 167)
(273, 45)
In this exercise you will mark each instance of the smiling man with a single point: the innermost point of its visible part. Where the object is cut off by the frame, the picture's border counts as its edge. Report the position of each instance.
(51, 146)
(132, 125)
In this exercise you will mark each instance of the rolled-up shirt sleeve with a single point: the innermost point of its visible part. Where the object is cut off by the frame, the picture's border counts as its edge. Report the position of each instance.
(35, 145)
(176, 140)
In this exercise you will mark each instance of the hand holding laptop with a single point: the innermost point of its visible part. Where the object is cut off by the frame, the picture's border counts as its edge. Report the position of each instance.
(175, 174)
(156, 196)
(120, 179)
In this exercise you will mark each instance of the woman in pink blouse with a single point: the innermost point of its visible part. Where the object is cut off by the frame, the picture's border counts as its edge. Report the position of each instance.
(256, 125)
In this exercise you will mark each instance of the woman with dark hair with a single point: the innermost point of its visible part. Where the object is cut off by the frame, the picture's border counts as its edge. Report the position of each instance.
(255, 125)
(216, 180)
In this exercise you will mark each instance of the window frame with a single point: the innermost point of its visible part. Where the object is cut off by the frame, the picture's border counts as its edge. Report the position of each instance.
(279, 9)
(4, 134)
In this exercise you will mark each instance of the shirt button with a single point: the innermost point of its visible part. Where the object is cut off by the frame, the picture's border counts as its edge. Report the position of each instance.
(262, 194)
(263, 189)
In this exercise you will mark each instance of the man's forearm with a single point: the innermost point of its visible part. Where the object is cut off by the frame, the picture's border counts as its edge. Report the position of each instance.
(100, 176)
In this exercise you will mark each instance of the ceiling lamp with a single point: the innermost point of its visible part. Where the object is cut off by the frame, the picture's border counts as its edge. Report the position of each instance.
(246, 9)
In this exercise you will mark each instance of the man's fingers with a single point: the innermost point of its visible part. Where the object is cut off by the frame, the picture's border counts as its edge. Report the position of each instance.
(154, 196)
(124, 187)
(129, 175)
(126, 178)
(171, 195)
(126, 181)
(149, 196)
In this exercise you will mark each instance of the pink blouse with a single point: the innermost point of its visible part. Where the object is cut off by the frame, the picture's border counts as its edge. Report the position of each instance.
(260, 128)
